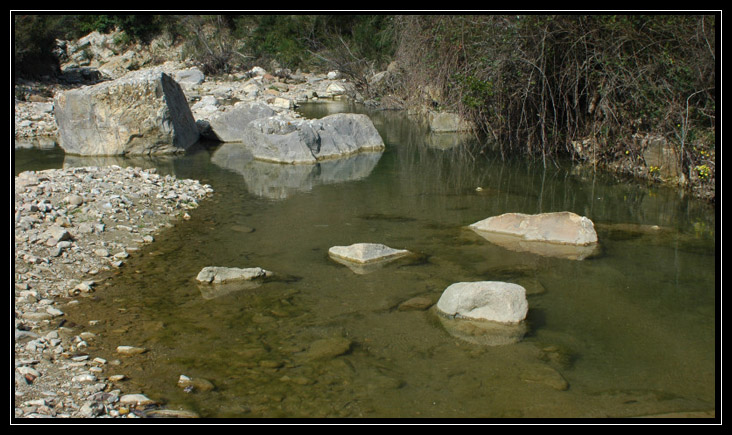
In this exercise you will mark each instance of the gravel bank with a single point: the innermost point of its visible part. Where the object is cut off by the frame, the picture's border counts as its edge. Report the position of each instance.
(71, 225)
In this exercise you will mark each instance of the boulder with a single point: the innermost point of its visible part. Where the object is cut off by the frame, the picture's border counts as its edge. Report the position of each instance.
(494, 301)
(560, 234)
(144, 112)
(221, 275)
(282, 139)
(440, 122)
(229, 124)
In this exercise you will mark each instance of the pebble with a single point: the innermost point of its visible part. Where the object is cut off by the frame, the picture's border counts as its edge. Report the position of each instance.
(63, 238)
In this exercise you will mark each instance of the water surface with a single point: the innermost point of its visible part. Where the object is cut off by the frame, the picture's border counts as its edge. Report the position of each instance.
(628, 332)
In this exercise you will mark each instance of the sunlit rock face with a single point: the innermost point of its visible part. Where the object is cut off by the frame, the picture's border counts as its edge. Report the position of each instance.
(560, 234)
(485, 312)
(144, 112)
(365, 257)
(214, 281)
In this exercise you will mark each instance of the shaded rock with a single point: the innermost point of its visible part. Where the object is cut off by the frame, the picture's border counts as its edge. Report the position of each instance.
(544, 374)
(144, 112)
(447, 122)
(170, 413)
(485, 300)
(327, 348)
(418, 303)
(483, 332)
(229, 125)
(561, 234)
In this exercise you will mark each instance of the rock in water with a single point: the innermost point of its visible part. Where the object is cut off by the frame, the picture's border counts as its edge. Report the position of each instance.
(561, 227)
(144, 112)
(366, 252)
(221, 275)
(560, 234)
(281, 139)
(495, 301)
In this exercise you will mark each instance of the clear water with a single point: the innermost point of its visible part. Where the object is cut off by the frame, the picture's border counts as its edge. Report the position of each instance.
(629, 332)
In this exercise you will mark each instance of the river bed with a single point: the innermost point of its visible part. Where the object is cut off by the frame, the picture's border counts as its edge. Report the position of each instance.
(630, 331)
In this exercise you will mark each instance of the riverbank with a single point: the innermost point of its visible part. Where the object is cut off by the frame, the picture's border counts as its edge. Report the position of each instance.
(73, 226)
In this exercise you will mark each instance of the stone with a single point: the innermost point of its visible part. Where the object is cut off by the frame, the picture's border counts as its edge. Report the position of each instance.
(327, 348)
(560, 234)
(130, 350)
(189, 77)
(494, 301)
(229, 125)
(441, 122)
(366, 252)
(144, 112)
(221, 275)
(195, 384)
(282, 139)
(135, 400)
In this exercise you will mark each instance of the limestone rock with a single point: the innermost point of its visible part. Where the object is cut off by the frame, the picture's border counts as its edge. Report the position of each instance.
(229, 125)
(494, 301)
(143, 112)
(221, 275)
(363, 258)
(560, 234)
(282, 139)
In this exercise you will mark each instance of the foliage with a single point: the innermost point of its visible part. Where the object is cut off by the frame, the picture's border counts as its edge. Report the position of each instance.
(538, 82)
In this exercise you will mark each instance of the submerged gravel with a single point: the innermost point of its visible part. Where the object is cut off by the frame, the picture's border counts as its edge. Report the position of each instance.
(70, 226)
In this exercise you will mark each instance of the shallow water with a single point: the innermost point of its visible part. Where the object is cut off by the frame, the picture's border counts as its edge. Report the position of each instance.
(627, 332)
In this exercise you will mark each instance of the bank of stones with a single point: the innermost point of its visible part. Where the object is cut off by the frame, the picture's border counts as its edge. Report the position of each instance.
(71, 225)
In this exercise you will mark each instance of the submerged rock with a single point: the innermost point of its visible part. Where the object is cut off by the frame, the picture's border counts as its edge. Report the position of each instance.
(560, 234)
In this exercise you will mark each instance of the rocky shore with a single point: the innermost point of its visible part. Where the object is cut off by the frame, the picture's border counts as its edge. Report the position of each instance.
(72, 225)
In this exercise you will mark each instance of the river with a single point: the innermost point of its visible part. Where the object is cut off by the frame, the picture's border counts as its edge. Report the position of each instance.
(630, 331)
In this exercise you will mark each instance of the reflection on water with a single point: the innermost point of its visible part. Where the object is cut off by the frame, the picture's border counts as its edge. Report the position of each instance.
(279, 181)
(629, 331)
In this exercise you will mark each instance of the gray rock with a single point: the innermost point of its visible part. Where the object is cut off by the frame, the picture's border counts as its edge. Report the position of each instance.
(221, 275)
(560, 234)
(366, 252)
(229, 125)
(495, 301)
(282, 139)
(144, 112)
(560, 227)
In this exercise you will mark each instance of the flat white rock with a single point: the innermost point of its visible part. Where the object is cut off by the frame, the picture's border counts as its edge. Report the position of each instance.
(366, 252)
(220, 275)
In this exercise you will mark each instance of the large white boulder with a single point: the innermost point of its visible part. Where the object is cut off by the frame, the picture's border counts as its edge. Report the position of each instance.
(144, 112)
(494, 301)
(561, 234)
